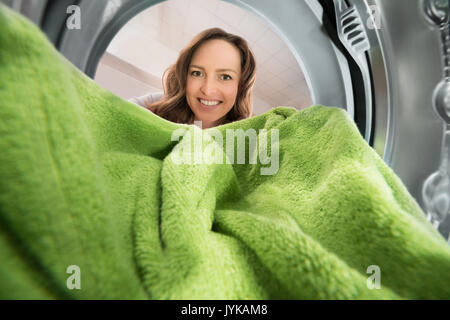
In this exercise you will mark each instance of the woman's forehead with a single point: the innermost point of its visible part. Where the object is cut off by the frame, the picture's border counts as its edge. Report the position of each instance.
(217, 55)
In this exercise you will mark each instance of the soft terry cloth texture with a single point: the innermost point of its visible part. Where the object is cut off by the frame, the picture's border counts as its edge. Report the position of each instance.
(87, 179)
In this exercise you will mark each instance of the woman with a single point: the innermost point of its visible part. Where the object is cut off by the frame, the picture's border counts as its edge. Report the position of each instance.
(211, 82)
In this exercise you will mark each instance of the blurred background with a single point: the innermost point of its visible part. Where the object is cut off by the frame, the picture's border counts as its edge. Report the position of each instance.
(135, 60)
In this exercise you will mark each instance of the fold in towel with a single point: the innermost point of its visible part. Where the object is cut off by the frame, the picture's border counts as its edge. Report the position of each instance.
(100, 199)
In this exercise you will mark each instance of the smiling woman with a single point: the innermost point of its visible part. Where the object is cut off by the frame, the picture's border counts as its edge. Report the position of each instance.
(211, 81)
(211, 92)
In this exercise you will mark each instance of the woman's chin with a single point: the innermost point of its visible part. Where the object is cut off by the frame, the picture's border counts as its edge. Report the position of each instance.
(205, 122)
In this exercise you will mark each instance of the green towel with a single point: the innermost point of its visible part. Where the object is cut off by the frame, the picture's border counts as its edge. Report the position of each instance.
(90, 180)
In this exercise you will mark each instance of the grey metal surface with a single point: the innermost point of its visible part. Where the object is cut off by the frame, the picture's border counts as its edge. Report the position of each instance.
(413, 67)
(352, 33)
(54, 20)
(412, 54)
(382, 108)
(13, 4)
(436, 188)
(33, 9)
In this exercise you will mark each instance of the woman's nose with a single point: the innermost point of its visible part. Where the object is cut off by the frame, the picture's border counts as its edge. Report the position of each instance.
(208, 87)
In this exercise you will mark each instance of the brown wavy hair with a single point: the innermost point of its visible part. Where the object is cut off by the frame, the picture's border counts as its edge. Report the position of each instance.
(174, 107)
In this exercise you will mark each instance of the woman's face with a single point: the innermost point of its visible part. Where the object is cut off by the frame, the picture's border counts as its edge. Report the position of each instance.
(212, 81)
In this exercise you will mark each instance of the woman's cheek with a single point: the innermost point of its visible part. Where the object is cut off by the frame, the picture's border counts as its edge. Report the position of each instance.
(231, 91)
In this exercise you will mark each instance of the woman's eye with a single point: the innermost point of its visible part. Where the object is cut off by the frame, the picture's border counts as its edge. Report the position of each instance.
(197, 73)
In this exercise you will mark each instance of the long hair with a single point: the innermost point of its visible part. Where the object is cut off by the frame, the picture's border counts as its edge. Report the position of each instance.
(174, 106)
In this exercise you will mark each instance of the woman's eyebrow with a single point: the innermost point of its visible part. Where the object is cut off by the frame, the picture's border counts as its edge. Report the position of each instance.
(218, 70)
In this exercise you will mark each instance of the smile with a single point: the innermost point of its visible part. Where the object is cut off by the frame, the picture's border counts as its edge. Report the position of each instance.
(209, 103)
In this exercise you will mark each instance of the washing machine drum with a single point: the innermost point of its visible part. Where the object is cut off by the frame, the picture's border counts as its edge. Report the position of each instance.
(379, 60)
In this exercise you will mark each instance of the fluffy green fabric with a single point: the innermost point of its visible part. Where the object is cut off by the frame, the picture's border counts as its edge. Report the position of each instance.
(89, 179)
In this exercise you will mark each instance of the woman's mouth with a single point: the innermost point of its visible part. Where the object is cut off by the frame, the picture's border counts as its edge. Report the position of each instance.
(209, 103)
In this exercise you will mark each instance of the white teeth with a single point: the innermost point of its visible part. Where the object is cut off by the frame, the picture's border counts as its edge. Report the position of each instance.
(209, 103)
